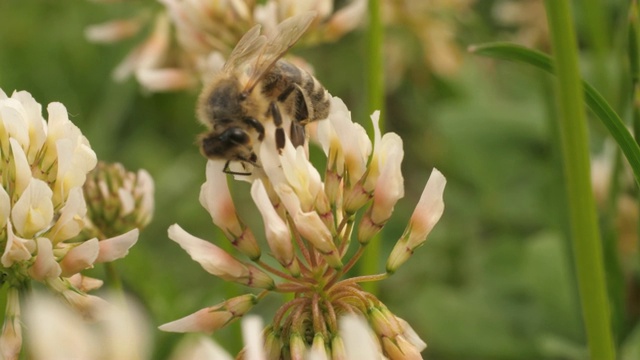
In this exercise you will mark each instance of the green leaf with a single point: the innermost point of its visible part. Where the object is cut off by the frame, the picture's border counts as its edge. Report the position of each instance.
(593, 99)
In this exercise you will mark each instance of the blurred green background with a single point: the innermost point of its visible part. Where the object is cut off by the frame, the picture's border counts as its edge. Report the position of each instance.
(495, 279)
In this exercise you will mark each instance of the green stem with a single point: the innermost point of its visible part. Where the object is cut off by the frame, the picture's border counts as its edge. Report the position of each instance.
(113, 278)
(375, 101)
(597, 31)
(582, 214)
(634, 69)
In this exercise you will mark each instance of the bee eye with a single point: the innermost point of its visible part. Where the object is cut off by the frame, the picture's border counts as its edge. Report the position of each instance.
(235, 135)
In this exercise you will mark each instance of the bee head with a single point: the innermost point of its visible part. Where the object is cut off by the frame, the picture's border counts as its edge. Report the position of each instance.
(233, 143)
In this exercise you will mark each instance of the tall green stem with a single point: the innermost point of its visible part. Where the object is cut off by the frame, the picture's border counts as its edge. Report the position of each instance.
(575, 152)
(375, 101)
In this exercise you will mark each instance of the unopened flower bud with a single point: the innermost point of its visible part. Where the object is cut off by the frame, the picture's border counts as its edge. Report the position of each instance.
(427, 213)
(400, 349)
(118, 200)
(332, 186)
(318, 349)
(298, 346)
(272, 344)
(355, 198)
(367, 229)
(338, 350)
(213, 318)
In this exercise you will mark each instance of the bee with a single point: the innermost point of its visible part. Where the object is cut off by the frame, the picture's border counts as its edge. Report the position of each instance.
(255, 86)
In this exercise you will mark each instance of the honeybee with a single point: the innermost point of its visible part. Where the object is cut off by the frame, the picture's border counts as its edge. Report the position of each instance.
(255, 86)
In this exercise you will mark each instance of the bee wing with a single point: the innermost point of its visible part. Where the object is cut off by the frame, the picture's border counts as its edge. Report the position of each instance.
(285, 36)
(251, 44)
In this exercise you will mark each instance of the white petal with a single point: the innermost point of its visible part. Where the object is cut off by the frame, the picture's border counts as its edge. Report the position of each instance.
(14, 118)
(216, 198)
(117, 247)
(22, 168)
(429, 209)
(45, 266)
(56, 333)
(158, 80)
(125, 332)
(204, 320)
(213, 259)
(252, 336)
(33, 211)
(199, 348)
(127, 202)
(277, 232)
(33, 111)
(5, 207)
(71, 219)
(17, 249)
(80, 257)
(85, 283)
(359, 340)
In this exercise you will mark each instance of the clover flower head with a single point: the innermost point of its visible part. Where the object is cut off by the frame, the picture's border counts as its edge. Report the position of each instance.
(43, 166)
(188, 40)
(309, 224)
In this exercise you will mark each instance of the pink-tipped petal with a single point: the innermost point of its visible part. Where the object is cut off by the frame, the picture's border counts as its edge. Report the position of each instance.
(117, 247)
(45, 266)
(80, 257)
(206, 320)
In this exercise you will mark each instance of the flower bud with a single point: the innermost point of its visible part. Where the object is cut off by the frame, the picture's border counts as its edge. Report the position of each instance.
(119, 200)
(400, 349)
(298, 346)
(318, 349)
(427, 213)
(212, 318)
(272, 344)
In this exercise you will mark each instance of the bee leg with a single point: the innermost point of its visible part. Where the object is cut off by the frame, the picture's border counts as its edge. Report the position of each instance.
(228, 170)
(277, 120)
(297, 134)
(299, 102)
(302, 110)
(256, 125)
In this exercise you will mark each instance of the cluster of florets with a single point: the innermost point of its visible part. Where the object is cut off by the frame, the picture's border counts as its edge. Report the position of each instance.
(309, 224)
(189, 40)
(43, 167)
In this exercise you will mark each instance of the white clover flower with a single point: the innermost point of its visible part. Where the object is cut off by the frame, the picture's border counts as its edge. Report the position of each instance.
(43, 166)
(187, 35)
(301, 211)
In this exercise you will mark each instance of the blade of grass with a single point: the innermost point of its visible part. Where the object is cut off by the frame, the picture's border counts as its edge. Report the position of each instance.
(575, 152)
(593, 99)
